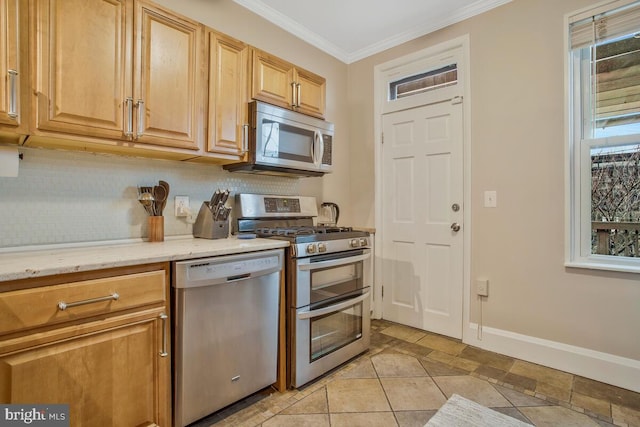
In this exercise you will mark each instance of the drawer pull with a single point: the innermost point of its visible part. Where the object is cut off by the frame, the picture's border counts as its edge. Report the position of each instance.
(62, 306)
(163, 352)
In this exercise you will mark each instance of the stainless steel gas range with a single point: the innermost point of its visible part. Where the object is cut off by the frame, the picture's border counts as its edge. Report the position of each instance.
(328, 282)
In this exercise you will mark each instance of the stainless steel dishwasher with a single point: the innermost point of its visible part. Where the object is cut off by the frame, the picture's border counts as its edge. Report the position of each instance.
(226, 330)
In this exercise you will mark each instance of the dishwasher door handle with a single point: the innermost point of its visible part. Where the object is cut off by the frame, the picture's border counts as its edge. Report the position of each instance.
(238, 278)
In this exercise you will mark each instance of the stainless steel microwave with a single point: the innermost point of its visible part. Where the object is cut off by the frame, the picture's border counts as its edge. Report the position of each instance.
(285, 142)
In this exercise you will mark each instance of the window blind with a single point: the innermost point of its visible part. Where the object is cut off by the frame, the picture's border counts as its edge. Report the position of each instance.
(605, 26)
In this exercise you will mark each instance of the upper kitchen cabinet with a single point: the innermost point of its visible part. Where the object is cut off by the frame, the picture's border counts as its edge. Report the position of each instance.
(168, 79)
(228, 96)
(278, 82)
(119, 73)
(13, 63)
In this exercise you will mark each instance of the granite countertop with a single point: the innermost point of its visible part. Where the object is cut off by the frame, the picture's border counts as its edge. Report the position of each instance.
(23, 264)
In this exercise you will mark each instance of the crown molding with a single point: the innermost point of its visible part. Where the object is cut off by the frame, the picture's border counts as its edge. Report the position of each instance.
(262, 9)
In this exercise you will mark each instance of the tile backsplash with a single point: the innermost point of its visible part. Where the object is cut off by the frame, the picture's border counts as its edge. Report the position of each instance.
(68, 197)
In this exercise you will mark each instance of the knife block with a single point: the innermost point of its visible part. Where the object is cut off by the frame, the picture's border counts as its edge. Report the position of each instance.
(205, 227)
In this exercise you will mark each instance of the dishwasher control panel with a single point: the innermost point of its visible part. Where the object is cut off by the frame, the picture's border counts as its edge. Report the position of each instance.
(202, 272)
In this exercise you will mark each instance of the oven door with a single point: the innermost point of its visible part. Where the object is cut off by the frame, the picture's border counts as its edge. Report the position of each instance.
(329, 336)
(324, 279)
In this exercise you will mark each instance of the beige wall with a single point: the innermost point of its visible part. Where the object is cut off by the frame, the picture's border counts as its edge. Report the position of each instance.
(236, 21)
(517, 145)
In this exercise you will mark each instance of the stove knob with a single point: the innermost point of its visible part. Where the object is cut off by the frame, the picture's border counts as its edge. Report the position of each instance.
(311, 249)
(354, 243)
(322, 247)
(363, 242)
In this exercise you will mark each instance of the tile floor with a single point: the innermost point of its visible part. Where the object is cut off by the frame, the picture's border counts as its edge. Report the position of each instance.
(409, 373)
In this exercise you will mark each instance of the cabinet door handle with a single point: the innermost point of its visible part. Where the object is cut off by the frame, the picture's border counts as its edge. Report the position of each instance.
(245, 139)
(62, 306)
(163, 352)
(129, 129)
(141, 126)
(13, 94)
(294, 92)
(299, 95)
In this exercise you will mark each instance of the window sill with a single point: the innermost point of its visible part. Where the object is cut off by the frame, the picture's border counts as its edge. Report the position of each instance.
(606, 266)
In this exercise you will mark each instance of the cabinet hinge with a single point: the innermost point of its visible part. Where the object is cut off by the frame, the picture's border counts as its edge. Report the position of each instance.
(382, 137)
(383, 292)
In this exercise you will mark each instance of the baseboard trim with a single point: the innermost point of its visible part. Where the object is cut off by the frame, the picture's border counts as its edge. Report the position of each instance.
(603, 367)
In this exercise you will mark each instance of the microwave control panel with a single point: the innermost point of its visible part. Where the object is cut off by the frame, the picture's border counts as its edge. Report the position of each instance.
(326, 156)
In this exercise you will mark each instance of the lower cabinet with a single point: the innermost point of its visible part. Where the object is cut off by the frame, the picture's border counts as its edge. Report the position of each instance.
(112, 369)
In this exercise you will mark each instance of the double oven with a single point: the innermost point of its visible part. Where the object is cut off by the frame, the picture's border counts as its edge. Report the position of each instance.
(328, 282)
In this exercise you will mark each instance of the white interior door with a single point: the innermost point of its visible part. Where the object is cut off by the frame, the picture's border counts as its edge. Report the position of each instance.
(422, 195)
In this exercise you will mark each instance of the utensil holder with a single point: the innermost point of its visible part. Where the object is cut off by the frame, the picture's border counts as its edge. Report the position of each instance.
(205, 227)
(156, 228)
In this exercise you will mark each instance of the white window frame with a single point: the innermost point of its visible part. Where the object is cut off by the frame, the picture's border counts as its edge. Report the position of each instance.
(578, 164)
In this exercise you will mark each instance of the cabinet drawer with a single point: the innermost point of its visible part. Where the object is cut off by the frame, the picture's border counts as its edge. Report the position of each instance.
(29, 308)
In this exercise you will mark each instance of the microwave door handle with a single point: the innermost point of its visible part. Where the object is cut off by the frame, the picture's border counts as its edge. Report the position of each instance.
(333, 308)
(321, 156)
(321, 148)
(316, 148)
(334, 262)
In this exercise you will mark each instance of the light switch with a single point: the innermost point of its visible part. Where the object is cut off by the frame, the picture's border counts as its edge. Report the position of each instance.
(490, 199)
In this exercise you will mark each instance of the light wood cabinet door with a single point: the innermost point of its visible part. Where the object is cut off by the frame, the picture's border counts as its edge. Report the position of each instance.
(228, 95)
(310, 98)
(280, 83)
(120, 70)
(82, 70)
(168, 78)
(272, 80)
(114, 377)
(10, 69)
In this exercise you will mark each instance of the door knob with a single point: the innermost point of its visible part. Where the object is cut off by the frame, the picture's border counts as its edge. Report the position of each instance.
(455, 227)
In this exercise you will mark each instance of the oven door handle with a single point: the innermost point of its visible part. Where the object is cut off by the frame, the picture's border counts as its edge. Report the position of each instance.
(334, 262)
(333, 308)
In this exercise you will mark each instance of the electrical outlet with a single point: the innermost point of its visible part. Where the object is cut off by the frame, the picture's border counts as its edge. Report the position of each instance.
(482, 287)
(181, 206)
